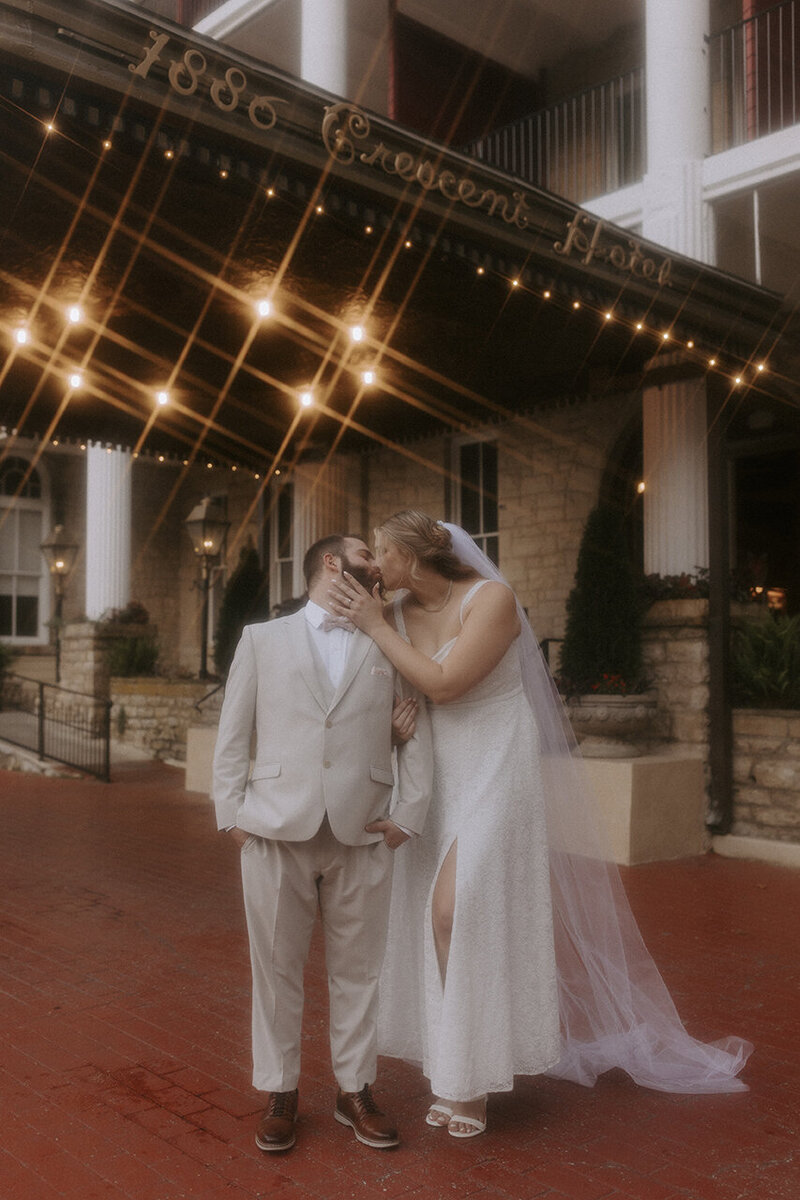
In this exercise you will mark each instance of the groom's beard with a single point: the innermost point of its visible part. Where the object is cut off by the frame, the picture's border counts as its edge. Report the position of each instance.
(366, 576)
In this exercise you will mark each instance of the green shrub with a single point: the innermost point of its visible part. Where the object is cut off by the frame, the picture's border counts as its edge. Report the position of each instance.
(245, 599)
(765, 663)
(133, 656)
(602, 647)
(6, 658)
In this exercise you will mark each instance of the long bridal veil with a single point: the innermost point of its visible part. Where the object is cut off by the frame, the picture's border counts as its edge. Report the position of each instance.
(614, 1006)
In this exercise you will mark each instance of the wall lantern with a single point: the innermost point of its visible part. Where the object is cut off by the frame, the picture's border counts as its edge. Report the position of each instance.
(60, 555)
(207, 527)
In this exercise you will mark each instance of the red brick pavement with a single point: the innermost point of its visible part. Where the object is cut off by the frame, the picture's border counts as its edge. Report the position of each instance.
(124, 1058)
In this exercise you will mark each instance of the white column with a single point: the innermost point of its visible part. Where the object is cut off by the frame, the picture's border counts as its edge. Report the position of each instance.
(320, 508)
(675, 477)
(108, 529)
(678, 125)
(323, 44)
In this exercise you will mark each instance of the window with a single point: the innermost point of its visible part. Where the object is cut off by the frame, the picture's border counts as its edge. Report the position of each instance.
(281, 545)
(22, 572)
(475, 493)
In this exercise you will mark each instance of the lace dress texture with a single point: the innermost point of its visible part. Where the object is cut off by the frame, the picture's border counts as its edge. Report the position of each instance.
(497, 1014)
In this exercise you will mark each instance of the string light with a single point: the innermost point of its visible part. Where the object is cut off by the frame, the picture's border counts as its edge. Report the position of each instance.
(480, 271)
(515, 283)
(76, 380)
(712, 362)
(641, 487)
(576, 304)
(162, 398)
(22, 336)
(690, 344)
(665, 336)
(264, 308)
(74, 314)
(368, 229)
(107, 144)
(639, 326)
(609, 316)
(306, 399)
(319, 210)
(368, 378)
(761, 367)
(356, 333)
(547, 295)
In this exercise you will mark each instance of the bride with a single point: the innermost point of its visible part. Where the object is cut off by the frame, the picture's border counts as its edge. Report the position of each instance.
(512, 948)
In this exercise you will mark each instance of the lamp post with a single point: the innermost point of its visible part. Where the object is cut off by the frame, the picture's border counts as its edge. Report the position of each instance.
(206, 526)
(60, 555)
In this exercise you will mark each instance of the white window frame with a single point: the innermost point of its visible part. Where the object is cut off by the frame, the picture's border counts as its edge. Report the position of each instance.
(10, 507)
(482, 535)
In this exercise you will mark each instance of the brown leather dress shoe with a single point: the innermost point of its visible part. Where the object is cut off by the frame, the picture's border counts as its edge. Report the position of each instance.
(276, 1127)
(361, 1113)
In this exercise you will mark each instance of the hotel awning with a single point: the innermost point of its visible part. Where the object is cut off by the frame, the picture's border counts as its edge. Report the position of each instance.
(156, 188)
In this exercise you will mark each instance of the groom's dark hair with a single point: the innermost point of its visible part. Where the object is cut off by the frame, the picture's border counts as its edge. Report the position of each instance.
(334, 543)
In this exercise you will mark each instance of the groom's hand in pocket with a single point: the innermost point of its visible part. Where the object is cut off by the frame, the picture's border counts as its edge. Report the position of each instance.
(393, 835)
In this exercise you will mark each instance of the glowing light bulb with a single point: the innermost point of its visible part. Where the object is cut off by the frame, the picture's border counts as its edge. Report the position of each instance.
(264, 308)
(270, 192)
(162, 398)
(22, 336)
(665, 336)
(368, 378)
(76, 380)
(640, 487)
(712, 362)
(690, 344)
(368, 229)
(639, 326)
(107, 144)
(481, 271)
(760, 367)
(547, 295)
(576, 304)
(74, 314)
(306, 399)
(515, 283)
(356, 333)
(609, 316)
(319, 210)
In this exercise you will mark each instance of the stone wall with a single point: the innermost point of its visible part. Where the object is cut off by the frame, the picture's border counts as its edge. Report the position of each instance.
(84, 653)
(767, 774)
(675, 654)
(154, 714)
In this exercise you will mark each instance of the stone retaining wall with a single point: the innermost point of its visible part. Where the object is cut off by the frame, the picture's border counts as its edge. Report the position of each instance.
(84, 653)
(675, 654)
(153, 714)
(766, 767)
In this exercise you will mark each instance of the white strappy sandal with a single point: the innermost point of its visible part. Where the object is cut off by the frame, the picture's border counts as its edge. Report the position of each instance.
(446, 1111)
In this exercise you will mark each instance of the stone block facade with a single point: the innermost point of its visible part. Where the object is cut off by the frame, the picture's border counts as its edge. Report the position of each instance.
(154, 714)
(85, 646)
(675, 654)
(767, 774)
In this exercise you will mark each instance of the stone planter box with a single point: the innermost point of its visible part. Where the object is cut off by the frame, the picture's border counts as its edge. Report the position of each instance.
(612, 726)
(154, 714)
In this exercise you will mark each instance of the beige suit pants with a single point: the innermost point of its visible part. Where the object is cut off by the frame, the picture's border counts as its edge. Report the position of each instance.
(284, 883)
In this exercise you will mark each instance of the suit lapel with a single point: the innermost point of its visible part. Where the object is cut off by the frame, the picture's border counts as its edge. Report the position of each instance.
(358, 652)
(309, 664)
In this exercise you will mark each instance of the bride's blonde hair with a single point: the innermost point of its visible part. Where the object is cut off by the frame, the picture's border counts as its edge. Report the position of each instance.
(426, 543)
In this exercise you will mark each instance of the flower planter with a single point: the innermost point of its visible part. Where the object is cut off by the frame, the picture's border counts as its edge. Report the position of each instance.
(611, 726)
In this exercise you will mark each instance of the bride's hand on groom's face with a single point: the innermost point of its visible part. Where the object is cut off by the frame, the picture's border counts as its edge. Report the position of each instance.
(347, 598)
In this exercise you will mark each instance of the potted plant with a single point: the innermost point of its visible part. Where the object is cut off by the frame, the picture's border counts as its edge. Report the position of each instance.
(601, 655)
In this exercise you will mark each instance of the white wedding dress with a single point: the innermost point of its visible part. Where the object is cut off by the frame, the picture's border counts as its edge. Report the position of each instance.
(498, 1012)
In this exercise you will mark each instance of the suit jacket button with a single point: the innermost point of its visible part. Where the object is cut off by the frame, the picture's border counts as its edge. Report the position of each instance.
(329, 724)
(326, 763)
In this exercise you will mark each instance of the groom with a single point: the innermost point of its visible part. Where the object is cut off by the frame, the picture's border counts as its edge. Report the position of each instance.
(312, 821)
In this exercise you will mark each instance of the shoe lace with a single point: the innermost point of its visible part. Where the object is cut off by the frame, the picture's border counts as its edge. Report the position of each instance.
(365, 1098)
(281, 1104)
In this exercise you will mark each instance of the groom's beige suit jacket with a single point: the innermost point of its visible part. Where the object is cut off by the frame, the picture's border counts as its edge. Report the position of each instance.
(317, 749)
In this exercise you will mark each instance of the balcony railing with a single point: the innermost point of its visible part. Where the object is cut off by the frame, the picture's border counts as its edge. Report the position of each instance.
(585, 146)
(755, 76)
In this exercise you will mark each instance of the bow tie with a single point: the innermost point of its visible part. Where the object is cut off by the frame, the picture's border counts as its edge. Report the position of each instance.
(330, 622)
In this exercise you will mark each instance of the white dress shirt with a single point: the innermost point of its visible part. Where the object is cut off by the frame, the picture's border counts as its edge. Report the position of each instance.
(333, 644)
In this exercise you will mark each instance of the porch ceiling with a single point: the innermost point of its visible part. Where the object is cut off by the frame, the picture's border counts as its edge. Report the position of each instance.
(167, 258)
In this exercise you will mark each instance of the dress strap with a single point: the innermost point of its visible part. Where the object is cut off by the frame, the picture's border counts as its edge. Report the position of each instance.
(475, 587)
(397, 613)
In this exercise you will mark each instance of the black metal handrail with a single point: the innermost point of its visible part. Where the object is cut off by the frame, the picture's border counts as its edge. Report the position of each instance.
(587, 145)
(755, 76)
(58, 723)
